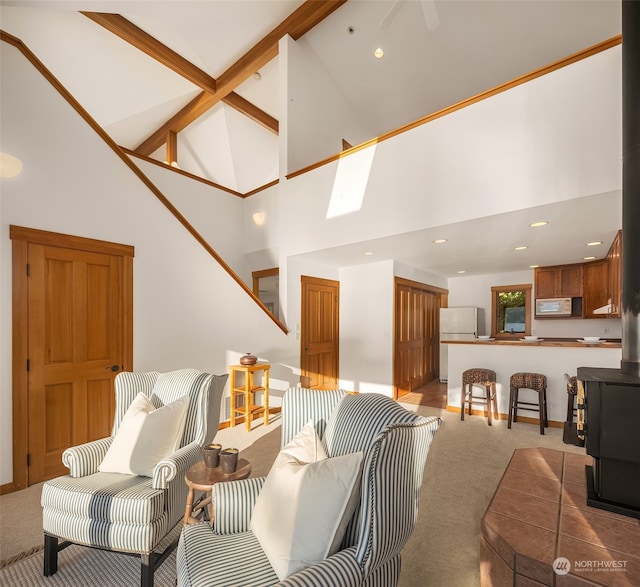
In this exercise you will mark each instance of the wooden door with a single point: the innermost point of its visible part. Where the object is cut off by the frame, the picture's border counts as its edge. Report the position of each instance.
(319, 333)
(75, 350)
(73, 308)
(417, 345)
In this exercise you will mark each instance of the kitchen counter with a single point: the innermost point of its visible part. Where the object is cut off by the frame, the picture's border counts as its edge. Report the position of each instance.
(551, 357)
(544, 342)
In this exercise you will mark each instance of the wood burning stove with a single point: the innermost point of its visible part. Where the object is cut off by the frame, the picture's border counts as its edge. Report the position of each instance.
(609, 399)
(609, 423)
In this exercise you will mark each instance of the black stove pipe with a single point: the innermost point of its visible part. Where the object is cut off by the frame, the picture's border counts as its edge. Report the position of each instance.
(630, 364)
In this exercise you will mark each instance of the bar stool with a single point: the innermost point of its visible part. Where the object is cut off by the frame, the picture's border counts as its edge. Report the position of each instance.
(570, 428)
(483, 378)
(535, 382)
(572, 391)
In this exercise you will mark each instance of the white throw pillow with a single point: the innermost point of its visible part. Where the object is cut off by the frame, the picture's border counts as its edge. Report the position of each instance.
(145, 436)
(305, 504)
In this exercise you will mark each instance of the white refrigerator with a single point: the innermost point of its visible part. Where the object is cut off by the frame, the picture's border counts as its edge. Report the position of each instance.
(456, 324)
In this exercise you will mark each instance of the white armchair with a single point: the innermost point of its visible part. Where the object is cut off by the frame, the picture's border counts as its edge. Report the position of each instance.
(132, 513)
(394, 443)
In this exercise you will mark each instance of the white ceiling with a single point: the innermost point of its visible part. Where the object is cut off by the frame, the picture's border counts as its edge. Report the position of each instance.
(468, 46)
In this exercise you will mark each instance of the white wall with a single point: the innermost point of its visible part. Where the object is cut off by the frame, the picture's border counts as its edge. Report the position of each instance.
(555, 138)
(215, 214)
(406, 272)
(318, 114)
(366, 328)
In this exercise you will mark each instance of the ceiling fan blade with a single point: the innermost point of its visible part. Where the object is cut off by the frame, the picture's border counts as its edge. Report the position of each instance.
(386, 21)
(431, 17)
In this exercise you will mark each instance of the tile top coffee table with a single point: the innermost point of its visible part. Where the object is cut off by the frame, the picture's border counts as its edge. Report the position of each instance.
(201, 478)
(539, 516)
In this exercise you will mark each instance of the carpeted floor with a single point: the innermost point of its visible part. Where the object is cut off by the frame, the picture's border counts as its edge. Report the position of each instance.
(463, 468)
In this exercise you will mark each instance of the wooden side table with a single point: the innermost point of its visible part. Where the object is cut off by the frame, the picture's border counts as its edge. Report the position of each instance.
(248, 389)
(201, 478)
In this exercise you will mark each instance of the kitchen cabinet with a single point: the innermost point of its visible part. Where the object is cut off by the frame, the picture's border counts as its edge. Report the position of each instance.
(559, 281)
(614, 263)
(595, 287)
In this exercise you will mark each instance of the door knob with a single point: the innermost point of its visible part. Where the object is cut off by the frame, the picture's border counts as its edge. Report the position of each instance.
(114, 368)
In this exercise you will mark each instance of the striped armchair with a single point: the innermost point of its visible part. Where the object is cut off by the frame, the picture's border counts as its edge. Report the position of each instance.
(131, 513)
(395, 444)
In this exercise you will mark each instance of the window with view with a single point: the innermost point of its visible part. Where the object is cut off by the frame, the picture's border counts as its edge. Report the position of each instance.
(510, 310)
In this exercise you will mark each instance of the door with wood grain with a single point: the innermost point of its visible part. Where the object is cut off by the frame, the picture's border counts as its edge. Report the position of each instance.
(417, 347)
(75, 350)
(78, 302)
(319, 333)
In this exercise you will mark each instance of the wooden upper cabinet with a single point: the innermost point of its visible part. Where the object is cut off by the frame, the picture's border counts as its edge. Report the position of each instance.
(546, 279)
(614, 265)
(595, 288)
(559, 281)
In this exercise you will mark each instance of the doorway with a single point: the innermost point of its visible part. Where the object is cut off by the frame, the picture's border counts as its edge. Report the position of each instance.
(72, 333)
(416, 339)
(319, 323)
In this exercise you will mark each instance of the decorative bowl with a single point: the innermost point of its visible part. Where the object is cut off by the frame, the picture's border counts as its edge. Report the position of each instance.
(591, 338)
(531, 338)
(248, 359)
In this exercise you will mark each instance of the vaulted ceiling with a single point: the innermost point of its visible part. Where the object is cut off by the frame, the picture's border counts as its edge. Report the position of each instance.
(198, 83)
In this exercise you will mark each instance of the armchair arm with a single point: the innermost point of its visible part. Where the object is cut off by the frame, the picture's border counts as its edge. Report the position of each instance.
(175, 464)
(339, 569)
(233, 503)
(84, 459)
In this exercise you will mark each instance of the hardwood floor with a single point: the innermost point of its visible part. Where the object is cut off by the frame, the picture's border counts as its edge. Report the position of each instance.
(433, 394)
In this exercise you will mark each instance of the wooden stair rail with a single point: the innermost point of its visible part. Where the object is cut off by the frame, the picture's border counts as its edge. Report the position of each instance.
(66, 95)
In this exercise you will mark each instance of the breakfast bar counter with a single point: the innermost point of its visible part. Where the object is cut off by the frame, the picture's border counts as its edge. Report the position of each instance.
(545, 342)
(550, 357)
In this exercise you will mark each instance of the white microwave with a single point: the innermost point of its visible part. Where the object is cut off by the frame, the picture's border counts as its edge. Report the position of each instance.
(553, 307)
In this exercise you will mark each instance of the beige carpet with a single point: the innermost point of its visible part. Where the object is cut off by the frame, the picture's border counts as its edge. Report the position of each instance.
(464, 467)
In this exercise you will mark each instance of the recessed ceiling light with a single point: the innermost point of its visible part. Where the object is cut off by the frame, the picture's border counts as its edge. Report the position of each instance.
(257, 76)
(533, 266)
(462, 271)
(378, 53)
(439, 241)
(594, 243)
(589, 258)
(537, 224)
(368, 253)
(521, 248)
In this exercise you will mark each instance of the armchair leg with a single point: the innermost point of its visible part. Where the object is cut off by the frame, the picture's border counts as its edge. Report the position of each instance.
(147, 566)
(50, 555)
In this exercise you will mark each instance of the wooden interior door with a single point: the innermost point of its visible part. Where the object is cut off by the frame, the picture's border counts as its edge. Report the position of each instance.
(417, 347)
(72, 325)
(75, 351)
(319, 333)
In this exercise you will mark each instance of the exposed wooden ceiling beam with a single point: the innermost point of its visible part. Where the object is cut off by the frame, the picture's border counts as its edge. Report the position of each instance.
(134, 35)
(237, 102)
(296, 24)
